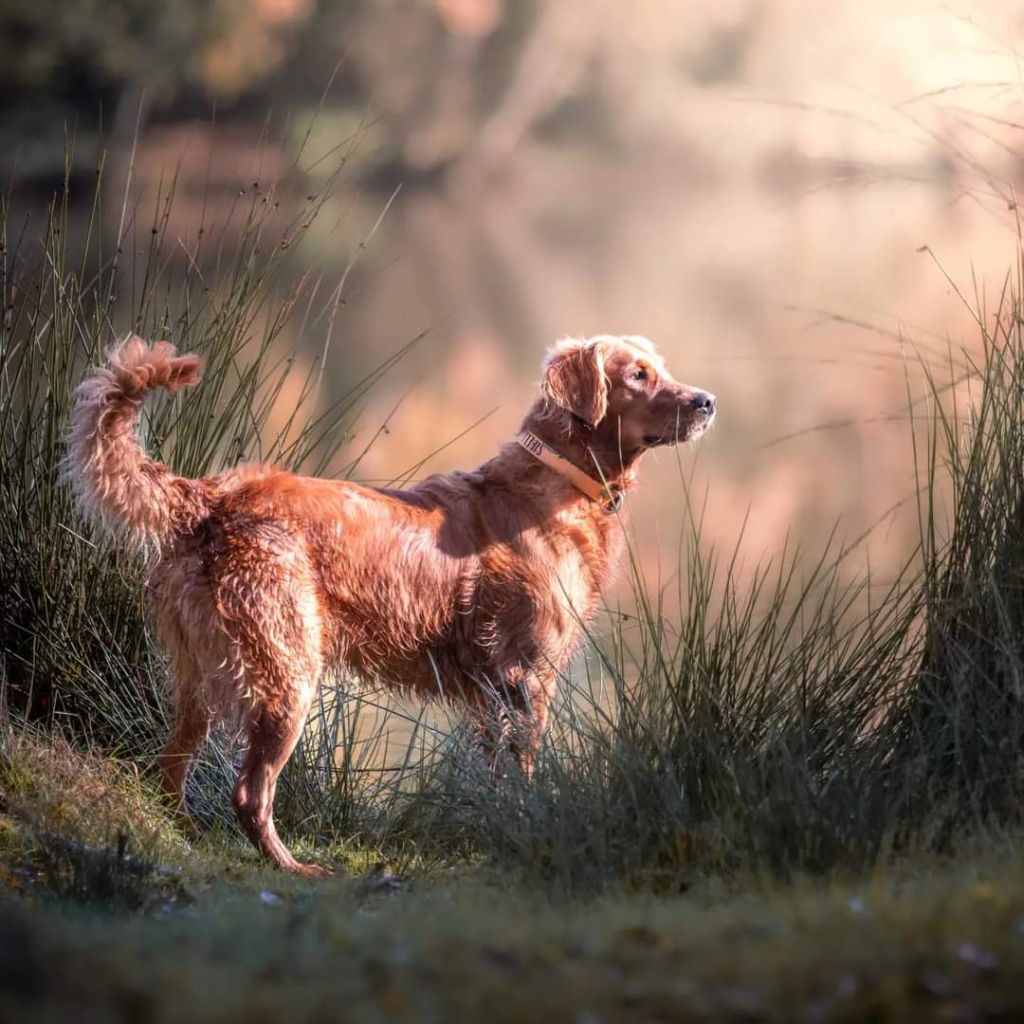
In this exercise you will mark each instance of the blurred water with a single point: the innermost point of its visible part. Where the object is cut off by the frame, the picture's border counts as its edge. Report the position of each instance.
(800, 265)
(750, 183)
(805, 310)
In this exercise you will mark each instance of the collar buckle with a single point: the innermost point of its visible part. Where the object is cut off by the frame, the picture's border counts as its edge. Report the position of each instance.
(613, 500)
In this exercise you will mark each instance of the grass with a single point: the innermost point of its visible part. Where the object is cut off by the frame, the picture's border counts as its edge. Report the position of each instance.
(799, 794)
(926, 938)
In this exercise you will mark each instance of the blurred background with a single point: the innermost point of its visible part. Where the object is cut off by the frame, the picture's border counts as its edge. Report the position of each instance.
(793, 199)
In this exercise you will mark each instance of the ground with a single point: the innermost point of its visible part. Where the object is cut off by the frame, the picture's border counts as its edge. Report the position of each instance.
(87, 932)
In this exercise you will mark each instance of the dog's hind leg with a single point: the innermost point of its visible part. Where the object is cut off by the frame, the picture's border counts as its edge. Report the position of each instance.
(282, 662)
(189, 732)
(190, 727)
(273, 733)
(268, 600)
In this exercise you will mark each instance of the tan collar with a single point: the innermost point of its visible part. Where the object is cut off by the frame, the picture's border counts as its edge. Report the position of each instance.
(610, 496)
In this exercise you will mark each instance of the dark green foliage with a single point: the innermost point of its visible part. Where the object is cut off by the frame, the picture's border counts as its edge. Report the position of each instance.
(103, 876)
(109, 42)
(960, 736)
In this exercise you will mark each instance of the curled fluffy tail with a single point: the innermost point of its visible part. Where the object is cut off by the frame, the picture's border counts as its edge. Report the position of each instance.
(113, 476)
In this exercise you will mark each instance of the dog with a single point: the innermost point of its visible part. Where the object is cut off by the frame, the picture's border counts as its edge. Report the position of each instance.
(475, 586)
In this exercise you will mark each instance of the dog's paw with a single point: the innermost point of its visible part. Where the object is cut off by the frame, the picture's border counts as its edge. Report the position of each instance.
(309, 870)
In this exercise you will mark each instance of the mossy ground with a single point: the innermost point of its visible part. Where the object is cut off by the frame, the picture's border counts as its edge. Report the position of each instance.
(226, 938)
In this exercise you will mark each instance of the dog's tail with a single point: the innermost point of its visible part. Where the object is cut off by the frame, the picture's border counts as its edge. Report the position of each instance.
(112, 475)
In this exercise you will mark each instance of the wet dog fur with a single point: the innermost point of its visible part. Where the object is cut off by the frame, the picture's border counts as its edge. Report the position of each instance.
(472, 585)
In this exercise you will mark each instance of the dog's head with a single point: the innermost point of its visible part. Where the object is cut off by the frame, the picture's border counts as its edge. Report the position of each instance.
(620, 391)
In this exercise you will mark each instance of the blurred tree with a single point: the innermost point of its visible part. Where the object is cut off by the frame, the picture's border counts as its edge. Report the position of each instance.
(471, 81)
(93, 68)
(221, 46)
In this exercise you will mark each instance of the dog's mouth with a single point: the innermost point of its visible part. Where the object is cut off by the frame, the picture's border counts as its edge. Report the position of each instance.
(681, 434)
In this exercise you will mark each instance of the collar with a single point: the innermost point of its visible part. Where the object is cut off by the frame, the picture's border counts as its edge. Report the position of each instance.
(610, 496)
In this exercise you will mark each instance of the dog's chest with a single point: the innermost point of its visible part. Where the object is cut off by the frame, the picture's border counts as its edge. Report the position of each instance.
(538, 592)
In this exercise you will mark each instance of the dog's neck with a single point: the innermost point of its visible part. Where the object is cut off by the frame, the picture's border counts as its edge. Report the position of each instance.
(607, 495)
(594, 452)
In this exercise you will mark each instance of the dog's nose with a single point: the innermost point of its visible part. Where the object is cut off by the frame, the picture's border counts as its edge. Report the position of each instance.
(703, 402)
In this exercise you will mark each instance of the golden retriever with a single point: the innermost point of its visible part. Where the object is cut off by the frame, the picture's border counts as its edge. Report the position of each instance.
(475, 586)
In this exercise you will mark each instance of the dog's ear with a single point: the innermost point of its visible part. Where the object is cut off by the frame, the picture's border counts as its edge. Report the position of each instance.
(574, 378)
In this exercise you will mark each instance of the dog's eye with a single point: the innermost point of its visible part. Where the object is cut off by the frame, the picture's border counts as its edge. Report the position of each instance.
(638, 374)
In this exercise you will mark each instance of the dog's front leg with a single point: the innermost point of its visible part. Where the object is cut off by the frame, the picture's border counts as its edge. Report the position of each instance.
(514, 718)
